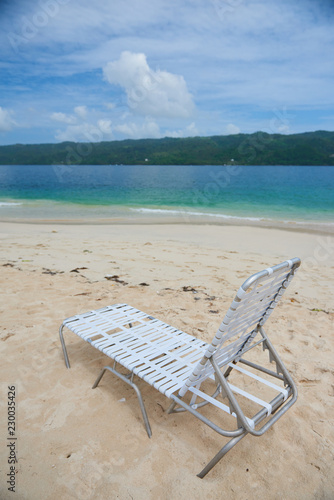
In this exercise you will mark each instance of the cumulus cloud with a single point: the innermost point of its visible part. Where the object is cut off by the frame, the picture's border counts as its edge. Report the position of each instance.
(6, 121)
(86, 132)
(190, 131)
(149, 128)
(156, 93)
(110, 105)
(81, 112)
(79, 128)
(105, 127)
(63, 118)
(232, 129)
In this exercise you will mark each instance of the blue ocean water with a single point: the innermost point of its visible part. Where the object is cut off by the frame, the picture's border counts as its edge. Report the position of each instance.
(277, 193)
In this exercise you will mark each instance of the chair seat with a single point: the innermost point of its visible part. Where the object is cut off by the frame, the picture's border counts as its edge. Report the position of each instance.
(158, 353)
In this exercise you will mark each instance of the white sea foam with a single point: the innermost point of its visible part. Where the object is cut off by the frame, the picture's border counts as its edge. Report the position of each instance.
(8, 204)
(186, 213)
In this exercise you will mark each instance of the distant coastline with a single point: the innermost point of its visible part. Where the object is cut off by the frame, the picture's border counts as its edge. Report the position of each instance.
(260, 148)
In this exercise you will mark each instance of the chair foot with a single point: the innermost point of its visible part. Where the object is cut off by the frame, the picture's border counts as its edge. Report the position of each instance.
(220, 455)
(171, 407)
(136, 389)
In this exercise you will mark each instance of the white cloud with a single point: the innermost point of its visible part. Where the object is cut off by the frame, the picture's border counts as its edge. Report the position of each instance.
(81, 112)
(80, 129)
(149, 128)
(86, 132)
(110, 105)
(190, 131)
(63, 118)
(156, 93)
(6, 121)
(232, 129)
(105, 127)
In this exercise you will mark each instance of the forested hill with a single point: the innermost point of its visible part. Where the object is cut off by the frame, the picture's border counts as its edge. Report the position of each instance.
(311, 148)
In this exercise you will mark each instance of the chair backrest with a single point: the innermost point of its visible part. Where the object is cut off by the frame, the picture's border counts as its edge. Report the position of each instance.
(250, 309)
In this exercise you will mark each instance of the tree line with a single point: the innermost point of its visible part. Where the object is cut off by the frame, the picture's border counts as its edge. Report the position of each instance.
(260, 148)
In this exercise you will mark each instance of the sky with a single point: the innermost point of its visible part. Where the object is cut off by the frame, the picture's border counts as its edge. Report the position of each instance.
(77, 70)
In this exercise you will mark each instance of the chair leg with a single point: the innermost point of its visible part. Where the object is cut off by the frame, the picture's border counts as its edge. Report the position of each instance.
(64, 346)
(220, 455)
(171, 407)
(136, 389)
(228, 371)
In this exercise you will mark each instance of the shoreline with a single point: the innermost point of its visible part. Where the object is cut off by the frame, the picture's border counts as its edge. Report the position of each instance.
(316, 228)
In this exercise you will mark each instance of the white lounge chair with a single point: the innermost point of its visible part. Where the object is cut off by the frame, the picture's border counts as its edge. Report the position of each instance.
(194, 374)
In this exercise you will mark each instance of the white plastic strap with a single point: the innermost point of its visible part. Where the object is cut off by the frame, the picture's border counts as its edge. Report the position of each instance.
(266, 382)
(193, 398)
(290, 263)
(234, 305)
(252, 398)
(270, 271)
(241, 293)
(219, 404)
(211, 400)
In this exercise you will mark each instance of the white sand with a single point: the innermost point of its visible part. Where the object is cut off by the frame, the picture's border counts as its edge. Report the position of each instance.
(76, 443)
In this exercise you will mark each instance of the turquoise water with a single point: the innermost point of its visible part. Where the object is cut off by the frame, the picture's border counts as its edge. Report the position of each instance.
(302, 194)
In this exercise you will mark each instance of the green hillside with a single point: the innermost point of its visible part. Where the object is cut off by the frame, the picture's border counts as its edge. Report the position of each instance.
(260, 148)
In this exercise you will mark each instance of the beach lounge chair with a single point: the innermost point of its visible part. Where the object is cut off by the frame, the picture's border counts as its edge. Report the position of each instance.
(196, 376)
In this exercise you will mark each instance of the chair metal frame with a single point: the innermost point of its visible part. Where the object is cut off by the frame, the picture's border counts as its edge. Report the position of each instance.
(177, 364)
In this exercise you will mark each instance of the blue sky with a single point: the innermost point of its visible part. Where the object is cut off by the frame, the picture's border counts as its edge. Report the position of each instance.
(113, 69)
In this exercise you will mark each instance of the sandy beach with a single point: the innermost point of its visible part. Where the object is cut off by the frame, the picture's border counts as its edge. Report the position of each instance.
(75, 443)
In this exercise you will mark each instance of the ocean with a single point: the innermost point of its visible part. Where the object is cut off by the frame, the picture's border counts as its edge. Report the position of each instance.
(143, 193)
